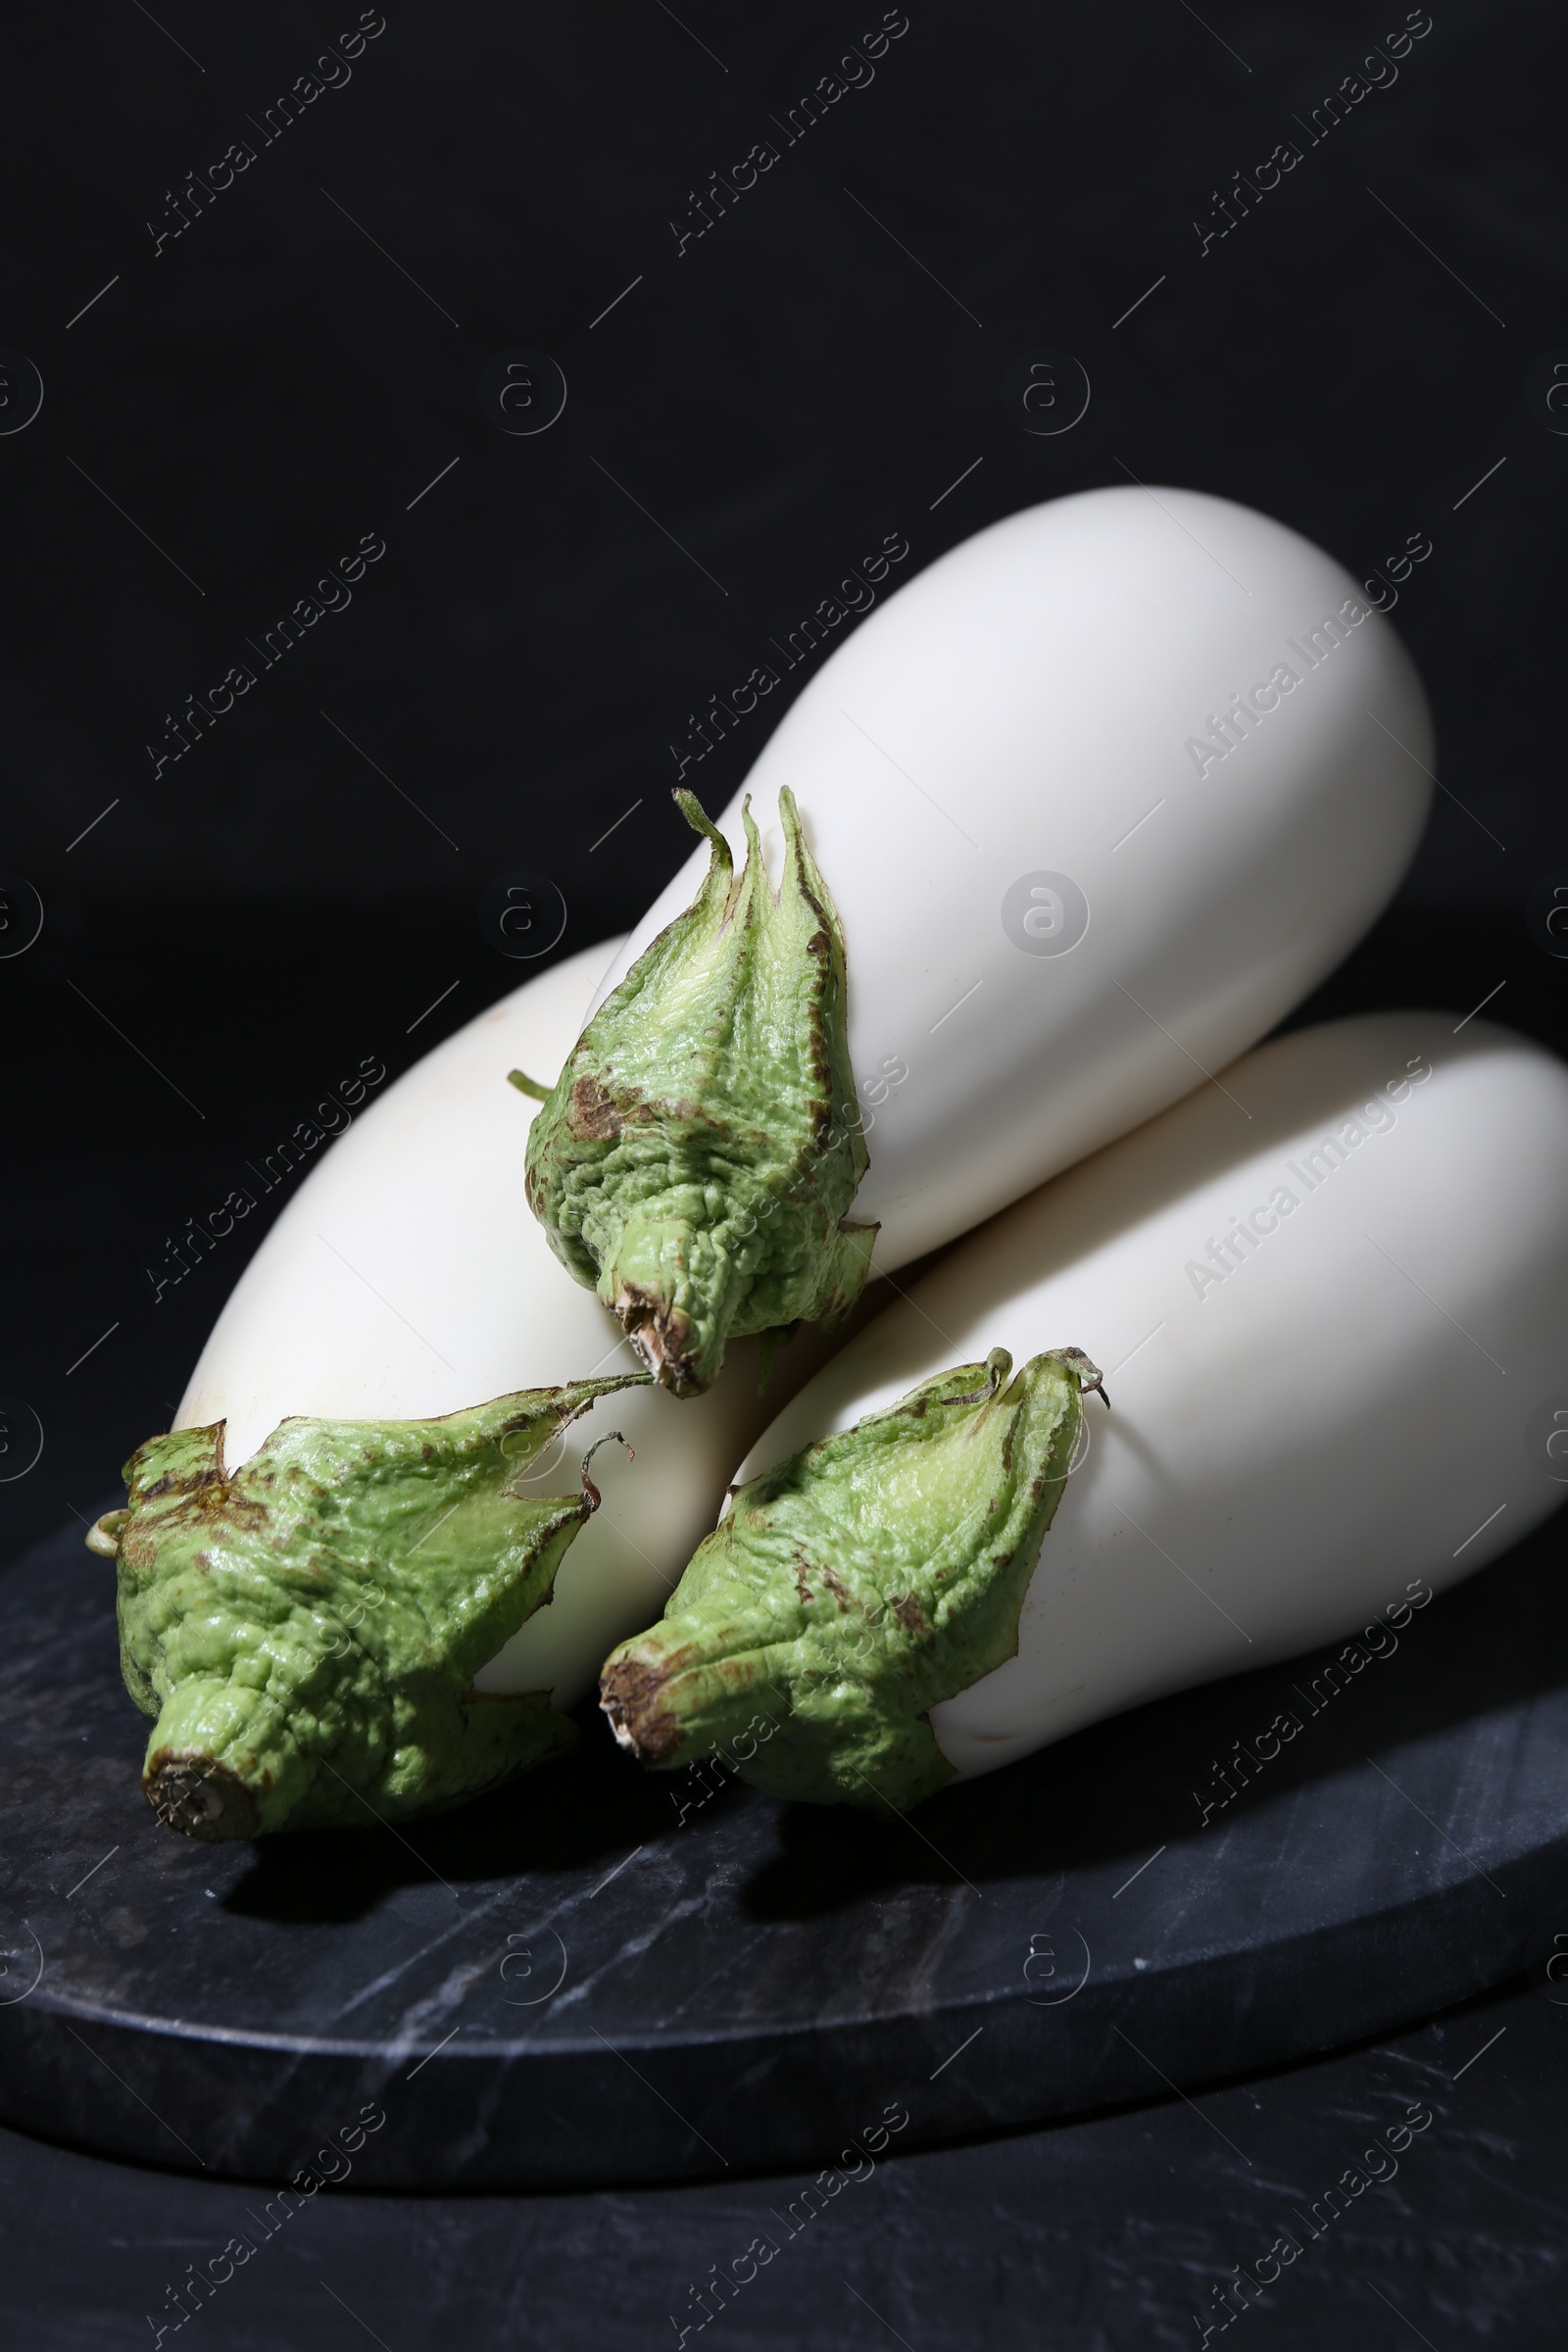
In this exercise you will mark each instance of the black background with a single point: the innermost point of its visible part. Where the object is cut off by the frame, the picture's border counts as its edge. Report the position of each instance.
(280, 378)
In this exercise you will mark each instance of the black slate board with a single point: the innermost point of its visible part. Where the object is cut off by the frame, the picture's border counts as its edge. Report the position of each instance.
(574, 1980)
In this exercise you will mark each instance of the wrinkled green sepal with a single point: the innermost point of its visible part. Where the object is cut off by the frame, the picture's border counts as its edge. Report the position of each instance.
(696, 1159)
(855, 1585)
(306, 1629)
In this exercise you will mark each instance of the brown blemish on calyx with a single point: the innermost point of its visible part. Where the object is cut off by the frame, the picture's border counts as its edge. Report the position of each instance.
(592, 1112)
(632, 1698)
(661, 1336)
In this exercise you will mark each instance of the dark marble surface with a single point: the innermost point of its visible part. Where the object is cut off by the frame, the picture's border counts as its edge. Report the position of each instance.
(600, 1976)
(1113, 2232)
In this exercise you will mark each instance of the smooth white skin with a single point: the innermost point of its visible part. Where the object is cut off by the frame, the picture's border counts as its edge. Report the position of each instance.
(408, 1277)
(1023, 706)
(1288, 1451)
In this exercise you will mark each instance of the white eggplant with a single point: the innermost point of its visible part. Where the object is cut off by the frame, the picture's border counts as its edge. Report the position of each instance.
(1329, 1295)
(1098, 796)
(406, 1278)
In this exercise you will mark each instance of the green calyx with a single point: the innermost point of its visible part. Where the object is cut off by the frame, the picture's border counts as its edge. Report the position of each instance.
(855, 1585)
(696, 1157)
(306, 1629)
